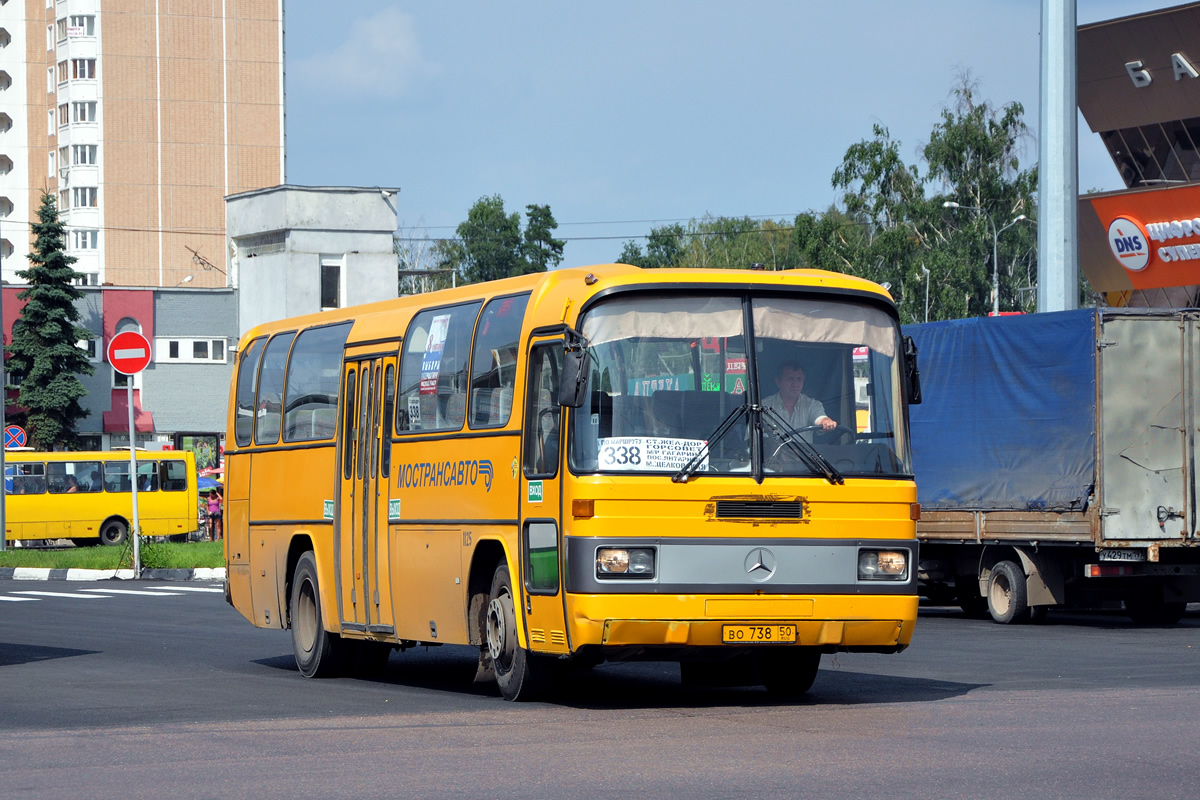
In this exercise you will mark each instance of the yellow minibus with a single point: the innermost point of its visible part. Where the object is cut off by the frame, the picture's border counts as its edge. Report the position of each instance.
(86, 496)
(591, 464)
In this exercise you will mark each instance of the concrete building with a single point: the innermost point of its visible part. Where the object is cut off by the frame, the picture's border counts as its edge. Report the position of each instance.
(140, 118)
(1139, 90)
(300, 249)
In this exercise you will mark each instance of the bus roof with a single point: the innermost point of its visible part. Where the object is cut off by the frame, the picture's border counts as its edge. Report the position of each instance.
(563, 290)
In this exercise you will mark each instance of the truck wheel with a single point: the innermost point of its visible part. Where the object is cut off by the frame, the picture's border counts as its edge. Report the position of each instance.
(520, 674)
(1007, 599)
(318, 652)
(1149, 609)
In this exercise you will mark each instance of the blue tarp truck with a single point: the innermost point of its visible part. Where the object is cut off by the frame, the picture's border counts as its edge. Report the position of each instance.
(1055, 457)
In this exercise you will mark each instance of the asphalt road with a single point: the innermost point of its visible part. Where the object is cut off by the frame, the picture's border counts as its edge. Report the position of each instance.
(173, 694)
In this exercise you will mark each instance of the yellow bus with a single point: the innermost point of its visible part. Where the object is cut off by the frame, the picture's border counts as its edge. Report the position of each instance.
(579, 466)
(86, 496)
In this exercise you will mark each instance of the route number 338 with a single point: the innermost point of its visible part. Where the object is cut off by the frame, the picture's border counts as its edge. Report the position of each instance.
(621, 455)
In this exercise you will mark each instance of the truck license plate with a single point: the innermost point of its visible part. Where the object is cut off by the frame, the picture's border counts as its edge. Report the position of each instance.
(1122, 555)
(758, 634)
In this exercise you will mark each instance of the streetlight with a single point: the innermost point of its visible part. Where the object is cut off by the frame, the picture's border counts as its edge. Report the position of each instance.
(926, 271)
(995, 248)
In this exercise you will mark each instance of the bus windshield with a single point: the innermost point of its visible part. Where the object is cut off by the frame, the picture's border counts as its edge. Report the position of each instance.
(669, 372)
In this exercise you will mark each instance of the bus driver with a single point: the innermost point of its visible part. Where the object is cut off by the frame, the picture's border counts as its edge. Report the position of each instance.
(797, 408)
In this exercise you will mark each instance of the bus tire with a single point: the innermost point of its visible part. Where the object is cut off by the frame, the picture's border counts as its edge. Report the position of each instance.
(520, 675)
(318, 652)
(1007, 597)
(787, 672)
(114, 532)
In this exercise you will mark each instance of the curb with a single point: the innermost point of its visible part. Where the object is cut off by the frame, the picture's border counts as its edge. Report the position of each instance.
(47, 574)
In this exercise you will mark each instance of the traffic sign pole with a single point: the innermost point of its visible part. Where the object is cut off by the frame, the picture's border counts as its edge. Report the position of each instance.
(129, 354)
(133, 484)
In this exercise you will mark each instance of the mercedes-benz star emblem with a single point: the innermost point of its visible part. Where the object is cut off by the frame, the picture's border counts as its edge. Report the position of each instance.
(760, 564)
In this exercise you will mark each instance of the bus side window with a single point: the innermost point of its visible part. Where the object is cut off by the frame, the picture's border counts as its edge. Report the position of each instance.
(269, 408)
(494, 361)
(348, 411)
(30, 479)
(313, 375)
(174, 476)
(247, 382)
(116, 477)
(542, 419)
(433, 369)
(147, 475)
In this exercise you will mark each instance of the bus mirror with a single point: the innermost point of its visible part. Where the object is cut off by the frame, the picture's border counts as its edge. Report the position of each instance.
(912, 375)
(577, 365)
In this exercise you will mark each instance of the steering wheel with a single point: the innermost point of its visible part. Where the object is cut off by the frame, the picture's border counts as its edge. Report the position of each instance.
(834, 434)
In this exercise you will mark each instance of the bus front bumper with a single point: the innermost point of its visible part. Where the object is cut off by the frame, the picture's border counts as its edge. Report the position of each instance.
(833, 622)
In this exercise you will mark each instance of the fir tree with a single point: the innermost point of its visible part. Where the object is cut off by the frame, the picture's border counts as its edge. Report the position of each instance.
(44, 354)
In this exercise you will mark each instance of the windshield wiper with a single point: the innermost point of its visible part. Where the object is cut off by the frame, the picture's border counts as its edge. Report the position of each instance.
(724, 427)
(801, 447)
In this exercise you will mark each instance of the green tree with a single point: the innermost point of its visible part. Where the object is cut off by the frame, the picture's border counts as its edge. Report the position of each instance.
(44, 354)
(541, 250)
(491, 245)
(491, 242)
(971, 159)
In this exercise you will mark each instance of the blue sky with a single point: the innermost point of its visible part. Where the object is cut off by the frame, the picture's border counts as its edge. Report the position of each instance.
(626, 115)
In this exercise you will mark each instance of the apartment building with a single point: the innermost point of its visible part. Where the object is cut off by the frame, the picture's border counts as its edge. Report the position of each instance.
(140, 117)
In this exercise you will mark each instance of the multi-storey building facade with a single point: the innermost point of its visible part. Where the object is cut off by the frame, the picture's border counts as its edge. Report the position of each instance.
(139, 117)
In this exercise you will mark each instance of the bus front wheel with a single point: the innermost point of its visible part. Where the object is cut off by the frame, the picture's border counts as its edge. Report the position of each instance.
(521, 675)
(318, 652)
(113, 532)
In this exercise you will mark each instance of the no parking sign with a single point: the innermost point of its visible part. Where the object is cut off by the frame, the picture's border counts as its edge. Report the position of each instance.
(14, 436)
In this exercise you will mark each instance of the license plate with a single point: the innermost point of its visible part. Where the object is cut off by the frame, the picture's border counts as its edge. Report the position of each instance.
(758, 634)
(1122, 555)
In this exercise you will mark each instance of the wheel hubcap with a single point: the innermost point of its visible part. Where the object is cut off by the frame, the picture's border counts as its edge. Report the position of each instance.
(1001, 595)
(499, 642)
(306, 622)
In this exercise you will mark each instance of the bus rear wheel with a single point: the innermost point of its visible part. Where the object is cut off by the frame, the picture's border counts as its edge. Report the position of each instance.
(521, 675)
(318, 652)
(113, 532)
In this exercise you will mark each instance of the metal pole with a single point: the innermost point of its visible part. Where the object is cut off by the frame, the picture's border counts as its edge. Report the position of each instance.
(995, 266)
(137, 554)
(1058, 174)
(926, 271)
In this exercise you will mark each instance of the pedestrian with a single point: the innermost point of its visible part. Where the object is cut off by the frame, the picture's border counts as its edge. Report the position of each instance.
(214, 515)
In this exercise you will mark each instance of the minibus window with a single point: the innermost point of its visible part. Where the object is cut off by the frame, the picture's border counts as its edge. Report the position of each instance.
(494, 361)
(247, 382)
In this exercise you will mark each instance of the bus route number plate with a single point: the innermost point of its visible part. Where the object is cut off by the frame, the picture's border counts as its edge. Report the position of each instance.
(758, 634)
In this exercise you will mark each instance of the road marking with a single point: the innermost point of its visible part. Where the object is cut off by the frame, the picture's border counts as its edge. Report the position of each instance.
(64, 594)
(196, 589)
(132, 591)
(16, 599)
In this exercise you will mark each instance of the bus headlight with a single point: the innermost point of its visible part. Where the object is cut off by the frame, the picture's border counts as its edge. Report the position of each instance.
(628, 562)
(883, 565)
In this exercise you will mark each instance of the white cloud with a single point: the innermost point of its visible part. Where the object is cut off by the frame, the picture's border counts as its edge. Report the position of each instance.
(381, 58)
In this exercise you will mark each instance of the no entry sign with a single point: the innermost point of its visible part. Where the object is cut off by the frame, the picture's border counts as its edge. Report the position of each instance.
(129, 352)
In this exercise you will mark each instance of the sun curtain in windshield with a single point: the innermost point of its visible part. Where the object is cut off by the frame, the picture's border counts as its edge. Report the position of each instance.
(668, 371)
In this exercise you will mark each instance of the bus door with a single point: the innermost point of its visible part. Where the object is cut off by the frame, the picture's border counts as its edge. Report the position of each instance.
(364, 591)
(541, 562)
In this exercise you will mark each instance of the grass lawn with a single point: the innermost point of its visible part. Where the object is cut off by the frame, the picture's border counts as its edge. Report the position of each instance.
(155, 555)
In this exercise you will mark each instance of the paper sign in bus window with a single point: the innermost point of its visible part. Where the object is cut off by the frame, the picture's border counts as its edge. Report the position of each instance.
(431, 363)
(649, 453)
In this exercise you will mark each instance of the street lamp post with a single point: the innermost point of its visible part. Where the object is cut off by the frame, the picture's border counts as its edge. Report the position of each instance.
(995, 248)
(926, 271)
